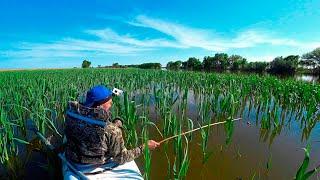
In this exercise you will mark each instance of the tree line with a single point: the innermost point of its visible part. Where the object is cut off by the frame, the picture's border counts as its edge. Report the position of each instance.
(87, 64)
(220, 62)
(307, 63)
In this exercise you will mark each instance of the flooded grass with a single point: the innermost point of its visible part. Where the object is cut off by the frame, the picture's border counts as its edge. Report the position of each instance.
(279, 117)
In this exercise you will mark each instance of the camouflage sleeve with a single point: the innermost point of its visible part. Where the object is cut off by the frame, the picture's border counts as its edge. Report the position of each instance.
(117, 148)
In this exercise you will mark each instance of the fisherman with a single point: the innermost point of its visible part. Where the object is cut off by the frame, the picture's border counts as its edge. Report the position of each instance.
(93, 137)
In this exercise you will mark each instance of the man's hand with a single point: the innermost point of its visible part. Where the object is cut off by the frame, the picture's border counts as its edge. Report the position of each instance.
(153, 144)
(118, 123)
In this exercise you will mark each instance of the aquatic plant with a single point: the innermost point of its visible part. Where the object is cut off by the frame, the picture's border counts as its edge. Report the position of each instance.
(164, 97)
(302, 173)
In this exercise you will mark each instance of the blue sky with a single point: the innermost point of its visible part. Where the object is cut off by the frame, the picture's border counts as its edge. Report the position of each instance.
(49, 34)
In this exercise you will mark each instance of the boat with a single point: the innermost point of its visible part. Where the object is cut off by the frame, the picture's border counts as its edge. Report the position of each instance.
(110, 170)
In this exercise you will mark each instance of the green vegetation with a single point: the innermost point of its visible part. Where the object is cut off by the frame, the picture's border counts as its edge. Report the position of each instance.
(309, 63)
(154, 101)
(302, 173)
(312, 60)
(150, 66)
(192, 64)
(174, 65)
(256, 67)
(219, 62)
(287, 65)
(86, 64)
(280, 65)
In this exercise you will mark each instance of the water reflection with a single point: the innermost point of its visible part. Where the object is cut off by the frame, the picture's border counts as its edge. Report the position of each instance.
(307, 78)
(272, 153)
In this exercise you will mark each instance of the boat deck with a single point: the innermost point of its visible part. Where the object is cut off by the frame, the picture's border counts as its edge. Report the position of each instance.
(128, 170)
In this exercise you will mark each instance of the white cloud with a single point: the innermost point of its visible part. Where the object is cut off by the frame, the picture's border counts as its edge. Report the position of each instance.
(186, 36)
(252, 37)
(110, 42)
(111, 36)
(70, 47)
(204, 38)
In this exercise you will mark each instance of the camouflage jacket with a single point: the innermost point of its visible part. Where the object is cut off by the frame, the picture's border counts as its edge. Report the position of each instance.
(93, 144)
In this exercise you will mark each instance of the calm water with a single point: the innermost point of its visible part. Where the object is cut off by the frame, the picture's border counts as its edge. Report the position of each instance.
(248, 154)
(245, 157)
(307, 78)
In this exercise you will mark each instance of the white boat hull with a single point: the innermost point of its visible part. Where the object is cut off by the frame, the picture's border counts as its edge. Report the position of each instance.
(128, 170)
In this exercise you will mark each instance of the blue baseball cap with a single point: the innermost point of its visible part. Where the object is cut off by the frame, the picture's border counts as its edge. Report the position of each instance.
(97, 96)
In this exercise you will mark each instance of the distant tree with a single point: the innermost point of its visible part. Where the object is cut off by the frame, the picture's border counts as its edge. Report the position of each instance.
(287, 65)
(86, 64)
(218, 62)
(174, 65)
(312, 59)
(222, 59)
(192, 64)
(258, 67)
(236, 62)
(177, 65)
(150, 66)
(133, 66)
(307, 63)
(169, 65)
(99, 66)
(208, 63)
(115, 65)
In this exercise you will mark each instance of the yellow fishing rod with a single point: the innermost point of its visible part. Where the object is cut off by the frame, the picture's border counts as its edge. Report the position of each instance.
(193, 130)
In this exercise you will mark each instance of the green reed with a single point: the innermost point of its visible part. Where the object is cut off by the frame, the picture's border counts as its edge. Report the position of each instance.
(42, 95)
(303, 173)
